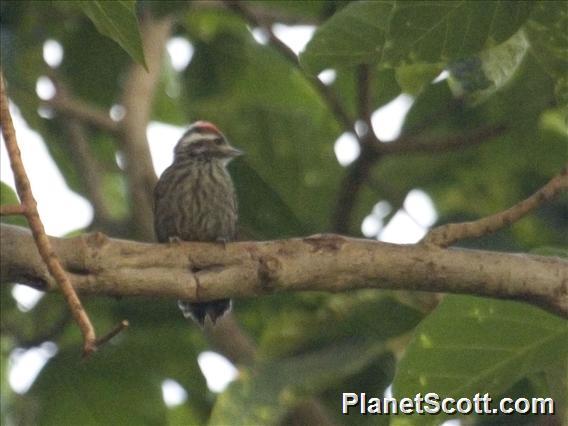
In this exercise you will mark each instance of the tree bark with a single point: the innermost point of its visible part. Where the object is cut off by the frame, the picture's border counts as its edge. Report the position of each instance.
(207, 271)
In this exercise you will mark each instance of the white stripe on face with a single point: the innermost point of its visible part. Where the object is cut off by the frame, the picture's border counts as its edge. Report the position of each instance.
(186, 141)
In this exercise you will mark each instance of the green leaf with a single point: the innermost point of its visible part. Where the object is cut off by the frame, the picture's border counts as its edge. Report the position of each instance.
(302, 10)
(117, 20)
(440, 31)
(331, 318)
(262, 210)
(372, 380)
(86, 50)
(383, 89)
(115, 387)
(470, 345)
(81, 390)
(534, 387)
(396, 32)
(7, 395)
(478, 77)
(8, 197)
(355, 35)
(413, 78)
(546, 31)
(264, 395)
(557, 380)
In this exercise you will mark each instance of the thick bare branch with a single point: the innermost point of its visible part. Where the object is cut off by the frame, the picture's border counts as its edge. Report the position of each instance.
(208, 271)
(446, 235)
(228, 338)
(137, 98)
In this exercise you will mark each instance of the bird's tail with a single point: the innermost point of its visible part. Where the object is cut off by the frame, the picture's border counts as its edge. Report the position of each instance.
(199, 311)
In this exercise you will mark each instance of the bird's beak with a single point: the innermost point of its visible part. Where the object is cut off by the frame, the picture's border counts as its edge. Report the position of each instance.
(233, 152)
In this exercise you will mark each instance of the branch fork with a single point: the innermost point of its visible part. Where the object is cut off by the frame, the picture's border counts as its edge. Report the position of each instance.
(28, 209)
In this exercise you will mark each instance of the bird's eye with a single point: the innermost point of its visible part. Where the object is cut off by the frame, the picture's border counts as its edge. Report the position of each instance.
(218, 141)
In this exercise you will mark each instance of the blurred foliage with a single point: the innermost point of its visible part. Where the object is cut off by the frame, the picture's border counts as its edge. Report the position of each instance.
(264, 395)
(528, 340)
(394, 32)
(509, 62)
(117, 20)
(9, 197)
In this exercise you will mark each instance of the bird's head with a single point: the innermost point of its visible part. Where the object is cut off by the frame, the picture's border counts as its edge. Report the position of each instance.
(203, 140)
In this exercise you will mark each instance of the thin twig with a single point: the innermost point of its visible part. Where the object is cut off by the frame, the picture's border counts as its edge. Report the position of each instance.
(91, 172)
(364, 95)
(71, 107)
(12, 210)
(419, 144)
(349, 189)
(267, 13)
(446, 235)
(117, 329)
(43, 245)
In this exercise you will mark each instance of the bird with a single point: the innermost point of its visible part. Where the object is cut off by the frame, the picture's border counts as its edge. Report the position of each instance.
(195, 200)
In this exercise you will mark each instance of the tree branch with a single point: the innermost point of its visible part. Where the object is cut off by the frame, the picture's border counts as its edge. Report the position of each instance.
(358, 172)
(419, 144)
(372, 151)
(446, 235)
(349, 188)
(137, 98)
(42, 242)
(71, 107)
(364, 96)
(122, 325)
(12, 210)
(228, 338)
(77, 115)
(208, 271)
(268, 14)
(89, 167)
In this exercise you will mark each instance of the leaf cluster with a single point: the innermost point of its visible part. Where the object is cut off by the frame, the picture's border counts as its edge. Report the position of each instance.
(507, 63)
